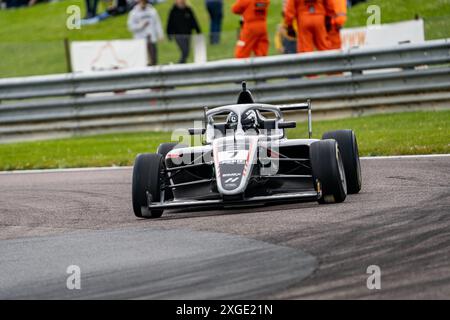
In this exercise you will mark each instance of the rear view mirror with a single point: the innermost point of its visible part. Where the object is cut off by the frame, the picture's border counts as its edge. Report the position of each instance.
(287, 124)
(194, 131)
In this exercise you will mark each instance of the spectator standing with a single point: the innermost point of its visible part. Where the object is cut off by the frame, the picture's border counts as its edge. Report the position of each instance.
(91, 8)
(16, 3)
(180, 25)
(215, 11)
(253, 37)
(352, 3)
(310, 16)
(335, 21)
(144, 23)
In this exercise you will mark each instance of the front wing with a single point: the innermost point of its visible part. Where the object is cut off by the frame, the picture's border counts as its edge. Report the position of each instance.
(292, 196)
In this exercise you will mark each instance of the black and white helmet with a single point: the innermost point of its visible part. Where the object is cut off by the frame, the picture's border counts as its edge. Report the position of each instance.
(249, 120)
(232, 120)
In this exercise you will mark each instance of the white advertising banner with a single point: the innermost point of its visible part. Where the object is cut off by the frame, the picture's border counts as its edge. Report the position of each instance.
(90, 56)
(384, 34)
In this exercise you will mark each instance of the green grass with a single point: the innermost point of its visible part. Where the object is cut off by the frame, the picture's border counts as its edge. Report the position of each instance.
(35, 35)
(395, 134)
(436, 14)
(388, 134)
(31, 39)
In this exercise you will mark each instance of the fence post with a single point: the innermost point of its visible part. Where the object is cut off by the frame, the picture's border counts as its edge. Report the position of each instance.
(67, 54)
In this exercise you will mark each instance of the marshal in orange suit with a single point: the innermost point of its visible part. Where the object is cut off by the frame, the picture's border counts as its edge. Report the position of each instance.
(336, 21)
(310, 15)
(253, 37)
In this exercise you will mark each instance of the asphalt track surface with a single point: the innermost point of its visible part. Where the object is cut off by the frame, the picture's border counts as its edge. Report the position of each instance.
(399, 222)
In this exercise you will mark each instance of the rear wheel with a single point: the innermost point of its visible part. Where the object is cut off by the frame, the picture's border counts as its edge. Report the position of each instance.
(146, 178)
(348, 146)
(328, 171)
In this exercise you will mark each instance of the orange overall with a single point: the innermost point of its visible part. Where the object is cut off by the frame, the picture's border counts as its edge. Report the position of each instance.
(337, 20)
(310, 16)
(253, 36)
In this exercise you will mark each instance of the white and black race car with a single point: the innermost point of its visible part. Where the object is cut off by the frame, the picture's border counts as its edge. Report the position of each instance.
(245, 158)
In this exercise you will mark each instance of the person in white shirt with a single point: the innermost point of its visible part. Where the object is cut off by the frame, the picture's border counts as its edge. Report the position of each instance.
(144, 23)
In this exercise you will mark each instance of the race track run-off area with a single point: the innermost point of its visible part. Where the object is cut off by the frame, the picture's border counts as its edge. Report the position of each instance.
(400, 222)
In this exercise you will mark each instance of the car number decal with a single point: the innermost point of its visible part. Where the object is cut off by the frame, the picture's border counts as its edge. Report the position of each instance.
(233, 156)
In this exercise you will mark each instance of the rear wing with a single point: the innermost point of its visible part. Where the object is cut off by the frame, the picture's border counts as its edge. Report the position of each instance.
(300, 106)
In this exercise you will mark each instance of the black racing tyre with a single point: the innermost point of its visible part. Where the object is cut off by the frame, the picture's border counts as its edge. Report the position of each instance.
(348, 145)
(164, 148)
(328, 168)
(146, 177)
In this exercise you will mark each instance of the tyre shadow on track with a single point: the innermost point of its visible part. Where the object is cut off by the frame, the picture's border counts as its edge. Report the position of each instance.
(198, 212)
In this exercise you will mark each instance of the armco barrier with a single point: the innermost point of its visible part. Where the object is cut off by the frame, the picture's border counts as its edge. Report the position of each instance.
(338, 82)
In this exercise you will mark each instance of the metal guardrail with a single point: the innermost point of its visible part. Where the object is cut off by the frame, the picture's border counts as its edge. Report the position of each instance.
(62, 105)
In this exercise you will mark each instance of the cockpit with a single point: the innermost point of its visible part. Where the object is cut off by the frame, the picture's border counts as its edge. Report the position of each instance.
(243, 119)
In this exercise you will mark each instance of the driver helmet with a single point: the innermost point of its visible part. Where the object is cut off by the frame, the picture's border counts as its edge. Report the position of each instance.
(232, 120)
(249, 120)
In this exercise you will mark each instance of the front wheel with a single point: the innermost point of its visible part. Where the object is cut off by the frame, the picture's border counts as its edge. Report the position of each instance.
(328, 171)
(146, 178)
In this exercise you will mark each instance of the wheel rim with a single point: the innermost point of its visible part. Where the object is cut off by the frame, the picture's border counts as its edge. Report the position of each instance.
(341, 170)
(358, 164)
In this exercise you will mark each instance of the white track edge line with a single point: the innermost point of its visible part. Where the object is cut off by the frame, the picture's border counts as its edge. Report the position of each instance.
(66, 170)
(408, 156)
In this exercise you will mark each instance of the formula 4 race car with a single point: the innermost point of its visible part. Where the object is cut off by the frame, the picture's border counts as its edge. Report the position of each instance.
(245, 158)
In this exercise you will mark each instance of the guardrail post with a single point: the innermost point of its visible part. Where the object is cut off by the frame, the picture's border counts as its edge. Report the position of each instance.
(309, 119)
(67, 55)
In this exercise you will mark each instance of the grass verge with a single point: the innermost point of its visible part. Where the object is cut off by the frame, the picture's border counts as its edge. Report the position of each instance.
(388, 134)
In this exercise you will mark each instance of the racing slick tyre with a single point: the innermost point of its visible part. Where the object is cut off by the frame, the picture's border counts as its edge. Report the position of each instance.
(328, 169)
(146, 178)
(348, 146)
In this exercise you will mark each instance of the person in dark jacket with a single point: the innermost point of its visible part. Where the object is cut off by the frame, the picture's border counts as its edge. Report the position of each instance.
(180, 25)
